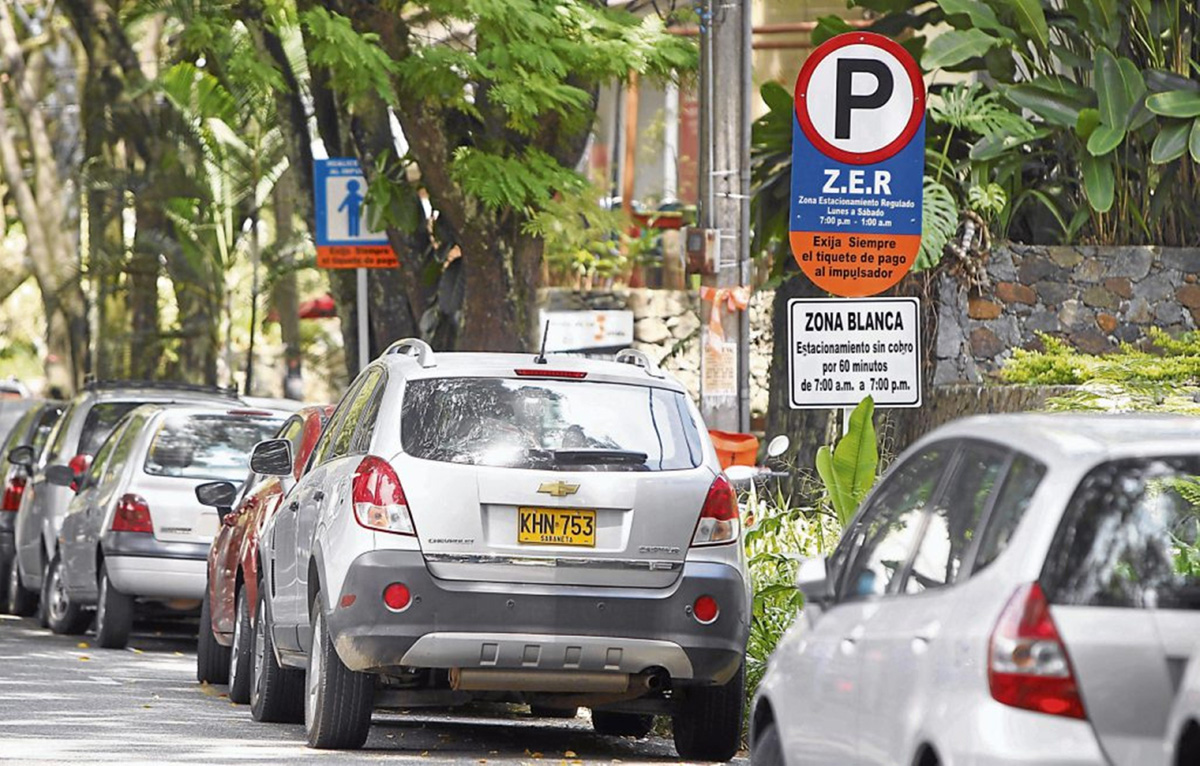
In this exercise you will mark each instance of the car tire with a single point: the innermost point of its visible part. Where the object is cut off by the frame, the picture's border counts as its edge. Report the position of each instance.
(338, 702)
(622, 724)
(20, 601)
(768, 748)
(212, 659)
(62, 616)
(276, 692)
(241, 653)
(708, 721)
(114, 614)
(541, 711)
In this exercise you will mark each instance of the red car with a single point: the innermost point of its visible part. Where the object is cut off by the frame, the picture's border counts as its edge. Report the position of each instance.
(226, 616)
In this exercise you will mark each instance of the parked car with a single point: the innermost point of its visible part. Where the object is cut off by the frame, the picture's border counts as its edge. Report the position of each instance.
(88, 420)
(551, 530)
(1017, 589)
(1183, 731)
(134, 532)
(223, 649)
(31, 431)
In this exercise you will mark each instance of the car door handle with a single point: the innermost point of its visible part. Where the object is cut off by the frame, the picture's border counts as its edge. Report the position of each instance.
(926, 635)
(294, 506)
(318, 496)
(851, 639)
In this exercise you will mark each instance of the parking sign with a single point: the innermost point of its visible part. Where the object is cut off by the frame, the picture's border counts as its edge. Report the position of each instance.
(858, 163)
(344, 236)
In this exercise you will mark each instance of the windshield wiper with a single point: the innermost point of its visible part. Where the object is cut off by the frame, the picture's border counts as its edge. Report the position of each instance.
(601, 455)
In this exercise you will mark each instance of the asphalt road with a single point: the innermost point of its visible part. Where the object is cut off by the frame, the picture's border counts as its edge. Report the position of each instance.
(62, 700)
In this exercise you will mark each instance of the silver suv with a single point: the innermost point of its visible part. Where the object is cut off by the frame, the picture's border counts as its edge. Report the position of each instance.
(555, 531)
(1017, 589)
(83, 427)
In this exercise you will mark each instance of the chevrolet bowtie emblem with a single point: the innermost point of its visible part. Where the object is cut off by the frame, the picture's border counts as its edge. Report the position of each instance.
(558, 488)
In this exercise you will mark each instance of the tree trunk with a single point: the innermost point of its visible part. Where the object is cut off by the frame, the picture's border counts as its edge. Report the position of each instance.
(284, 295)
(142, 289)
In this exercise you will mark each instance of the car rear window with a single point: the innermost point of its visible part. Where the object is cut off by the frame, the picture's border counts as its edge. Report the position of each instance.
(1130, 537)
(547, 424)
(213, 446)
(100, 421)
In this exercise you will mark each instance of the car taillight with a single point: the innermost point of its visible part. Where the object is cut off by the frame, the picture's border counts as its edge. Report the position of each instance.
(12, 494)
(133, 515)
(540, 373)
(719, 516)
(1028, 666)
(379, 501)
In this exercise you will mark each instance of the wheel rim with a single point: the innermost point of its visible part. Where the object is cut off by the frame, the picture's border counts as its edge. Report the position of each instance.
(235, 653)
(259, 654)
(316, 657)
(58, 594)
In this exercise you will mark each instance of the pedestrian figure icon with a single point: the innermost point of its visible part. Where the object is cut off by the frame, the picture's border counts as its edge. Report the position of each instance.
(352, 204)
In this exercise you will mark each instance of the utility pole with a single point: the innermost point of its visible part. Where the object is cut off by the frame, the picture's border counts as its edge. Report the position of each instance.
(725, 92)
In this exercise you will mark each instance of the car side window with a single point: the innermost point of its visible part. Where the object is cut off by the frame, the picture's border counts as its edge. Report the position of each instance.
(324, 449)
(885, 537)
(366, 421)
(101, 462)
(955, 516)
(1024, 476)
(123, 448)
(45, 424)
(16, 435)
(58, 441)
(358, 403)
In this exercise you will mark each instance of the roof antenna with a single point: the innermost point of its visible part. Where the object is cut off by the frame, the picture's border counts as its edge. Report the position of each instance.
(541, 357)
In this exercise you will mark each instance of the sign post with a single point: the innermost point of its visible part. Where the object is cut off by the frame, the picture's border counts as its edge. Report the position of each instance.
(344, 236)
(858, 165)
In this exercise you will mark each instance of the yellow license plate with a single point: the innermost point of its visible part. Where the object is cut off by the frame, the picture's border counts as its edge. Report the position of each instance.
(556, 526)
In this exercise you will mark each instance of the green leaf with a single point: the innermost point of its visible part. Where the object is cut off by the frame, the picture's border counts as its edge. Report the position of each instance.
(838, 497)
(1171, 142)
(1118, 86)
(1104, 139)
(1194, 141)
(853, 461)
(1175, 103)
(1057, 107)
(1032, 19)
(1089, 120)
(777, 98)
(939, 222)
(982, 16)
(954, 47)
(829, 27)
(1099, 181)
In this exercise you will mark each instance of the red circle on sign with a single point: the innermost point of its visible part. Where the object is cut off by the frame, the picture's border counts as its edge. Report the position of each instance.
(914, 76)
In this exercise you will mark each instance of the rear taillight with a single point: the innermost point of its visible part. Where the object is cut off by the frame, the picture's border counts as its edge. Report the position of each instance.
(133, 515)
(719, 516)
(12, 494)
(379, 501)
(1028, 666)
(540, 373)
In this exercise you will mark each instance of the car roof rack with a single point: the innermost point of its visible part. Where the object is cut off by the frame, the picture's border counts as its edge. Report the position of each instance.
(639, 359)
(92, 384)
(414, 347)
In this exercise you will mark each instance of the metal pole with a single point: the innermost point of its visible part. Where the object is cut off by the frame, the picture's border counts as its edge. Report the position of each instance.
(249, 390)
(364, 328)
(747, 81)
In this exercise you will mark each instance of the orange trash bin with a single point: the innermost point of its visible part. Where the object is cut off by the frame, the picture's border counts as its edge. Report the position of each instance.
(734, 448)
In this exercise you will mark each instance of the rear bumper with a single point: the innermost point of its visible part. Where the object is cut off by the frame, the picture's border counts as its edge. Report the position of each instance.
(139, 565)
(998, 735)
(454, 624)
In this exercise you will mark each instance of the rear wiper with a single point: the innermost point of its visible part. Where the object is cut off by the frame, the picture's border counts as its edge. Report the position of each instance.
(594, 456)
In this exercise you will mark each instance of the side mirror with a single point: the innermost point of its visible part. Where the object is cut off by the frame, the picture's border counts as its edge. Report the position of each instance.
(217, 494)
(22, 456)
(812, 579)
(778, 445)
(60, 475)
(272, 457)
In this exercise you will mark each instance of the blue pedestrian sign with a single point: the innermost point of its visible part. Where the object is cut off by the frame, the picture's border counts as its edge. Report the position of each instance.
(344, 236)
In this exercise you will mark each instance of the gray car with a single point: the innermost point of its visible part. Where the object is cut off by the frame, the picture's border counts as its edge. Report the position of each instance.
(83, 427)
(555, 531)
(135, 532)
(1017, 589)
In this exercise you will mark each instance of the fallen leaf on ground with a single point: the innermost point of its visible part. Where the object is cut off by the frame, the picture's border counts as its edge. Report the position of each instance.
(136, 651)
(424, 753)
(84, 657)
(83, 645)
(570, 754)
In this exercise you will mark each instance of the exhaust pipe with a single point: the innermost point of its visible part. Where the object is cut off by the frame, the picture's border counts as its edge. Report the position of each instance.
(562, 682)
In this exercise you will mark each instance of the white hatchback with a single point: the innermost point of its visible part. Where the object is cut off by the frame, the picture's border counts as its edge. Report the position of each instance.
(1017, 589)
(553, 530)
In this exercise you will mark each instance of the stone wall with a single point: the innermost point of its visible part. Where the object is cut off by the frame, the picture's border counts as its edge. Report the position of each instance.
(1093, 297)
(667, 327)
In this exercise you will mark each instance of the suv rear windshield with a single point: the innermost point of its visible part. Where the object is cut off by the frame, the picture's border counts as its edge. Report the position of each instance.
(1130, 537)
(207, 446)
(547, 424)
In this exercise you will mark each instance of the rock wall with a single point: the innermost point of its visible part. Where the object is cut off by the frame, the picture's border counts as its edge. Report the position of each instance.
(667, 327)
(1093, 297)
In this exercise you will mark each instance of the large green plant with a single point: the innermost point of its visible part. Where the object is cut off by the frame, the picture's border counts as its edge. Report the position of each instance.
(848, 469)
(1113, 89)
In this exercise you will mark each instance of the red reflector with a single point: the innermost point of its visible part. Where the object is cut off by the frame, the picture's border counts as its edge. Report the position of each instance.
(536, 373)
(133, 515)
(705, 610)
(396, 597)
(12, 494)
(348, 600)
